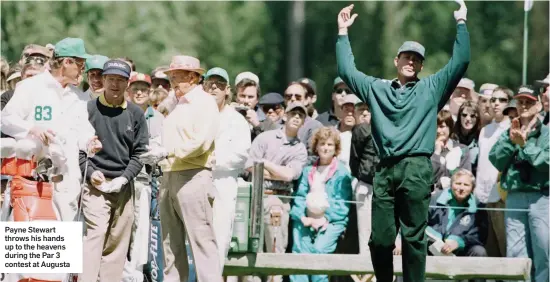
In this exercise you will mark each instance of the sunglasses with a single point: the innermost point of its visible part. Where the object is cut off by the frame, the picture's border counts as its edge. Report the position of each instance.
(219, 84)
(341, 90)
(135, 90)
(465, 115)
(267, 108)
(289, 96)
(502, 100)
(35, 60)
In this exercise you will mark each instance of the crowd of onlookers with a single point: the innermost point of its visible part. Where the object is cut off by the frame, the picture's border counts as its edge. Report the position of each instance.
(491, 153)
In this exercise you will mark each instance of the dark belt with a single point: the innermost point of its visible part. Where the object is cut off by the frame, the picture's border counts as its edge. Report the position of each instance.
(277, 192)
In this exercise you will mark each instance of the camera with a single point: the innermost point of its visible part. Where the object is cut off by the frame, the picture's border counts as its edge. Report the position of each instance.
(242, 110)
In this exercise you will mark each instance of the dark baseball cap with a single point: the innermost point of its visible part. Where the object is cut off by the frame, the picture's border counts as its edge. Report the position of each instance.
(271, 99)
(511, 105)
(309, 82)
(526, 91)
(117, 67)
(412, 46)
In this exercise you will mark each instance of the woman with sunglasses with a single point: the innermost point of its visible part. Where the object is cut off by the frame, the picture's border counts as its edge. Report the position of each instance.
(466, 130)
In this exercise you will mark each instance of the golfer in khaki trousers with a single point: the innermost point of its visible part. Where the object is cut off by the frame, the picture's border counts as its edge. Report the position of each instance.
(187, 190)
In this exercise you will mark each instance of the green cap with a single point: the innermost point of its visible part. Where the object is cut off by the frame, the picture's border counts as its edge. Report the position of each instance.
(95, 62)
(71, 47)
(527, 91)
(412, 46)
(217, 71)
(337, 81)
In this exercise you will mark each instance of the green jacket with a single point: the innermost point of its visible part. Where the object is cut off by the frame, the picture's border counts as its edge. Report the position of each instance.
(404, 117)
(523, 169)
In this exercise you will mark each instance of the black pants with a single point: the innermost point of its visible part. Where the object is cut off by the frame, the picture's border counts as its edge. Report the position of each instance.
(401, 199)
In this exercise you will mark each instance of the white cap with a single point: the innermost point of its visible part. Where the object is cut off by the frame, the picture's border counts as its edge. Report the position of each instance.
(247, 75)
(351, 99)
(466, 83)
(14, 75)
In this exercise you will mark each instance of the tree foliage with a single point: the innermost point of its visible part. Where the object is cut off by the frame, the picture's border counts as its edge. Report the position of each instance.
(253, 36)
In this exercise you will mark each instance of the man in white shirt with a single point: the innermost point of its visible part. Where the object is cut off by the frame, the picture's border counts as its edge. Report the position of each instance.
(487, 175)
(230, 154)
(345, 125)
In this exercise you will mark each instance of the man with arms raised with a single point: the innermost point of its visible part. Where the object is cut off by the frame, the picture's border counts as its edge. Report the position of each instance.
(404, 114)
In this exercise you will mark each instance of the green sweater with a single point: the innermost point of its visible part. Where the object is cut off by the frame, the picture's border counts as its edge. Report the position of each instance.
(404, 117)
(531, 160)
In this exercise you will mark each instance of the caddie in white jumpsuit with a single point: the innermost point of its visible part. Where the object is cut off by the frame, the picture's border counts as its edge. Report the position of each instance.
(49, 106)
(231, 153)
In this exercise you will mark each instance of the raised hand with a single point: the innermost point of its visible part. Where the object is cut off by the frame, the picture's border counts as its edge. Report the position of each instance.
(345, 19)
(517, 135)
(461, 13)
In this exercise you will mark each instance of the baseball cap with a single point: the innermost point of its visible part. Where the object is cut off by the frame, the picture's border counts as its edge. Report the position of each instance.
(310, 83)
(511, 105)
(71, 47)
(217, 71)
(247, 75)
(96, 62)
(140, 77)
(466, 83)
(293, 106)
(337, 81)
(271, 99)
(158, 73)
(13, 76)
(412, 46)
(117, 67)
(486, 89)
(527, 92)
(351, 99)
(545, 81)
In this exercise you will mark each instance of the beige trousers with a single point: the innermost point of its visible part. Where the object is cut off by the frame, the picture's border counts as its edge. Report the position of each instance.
(363, 194)
(109, 219)
(186, 210)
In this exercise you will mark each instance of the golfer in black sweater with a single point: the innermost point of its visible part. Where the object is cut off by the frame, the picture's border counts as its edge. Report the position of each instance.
(108, 194)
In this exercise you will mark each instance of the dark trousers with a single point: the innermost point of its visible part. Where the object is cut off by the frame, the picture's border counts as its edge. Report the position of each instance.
(474, 251)
(400, 200)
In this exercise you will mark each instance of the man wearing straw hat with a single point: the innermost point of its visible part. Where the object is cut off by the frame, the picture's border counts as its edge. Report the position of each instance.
(187, 191)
